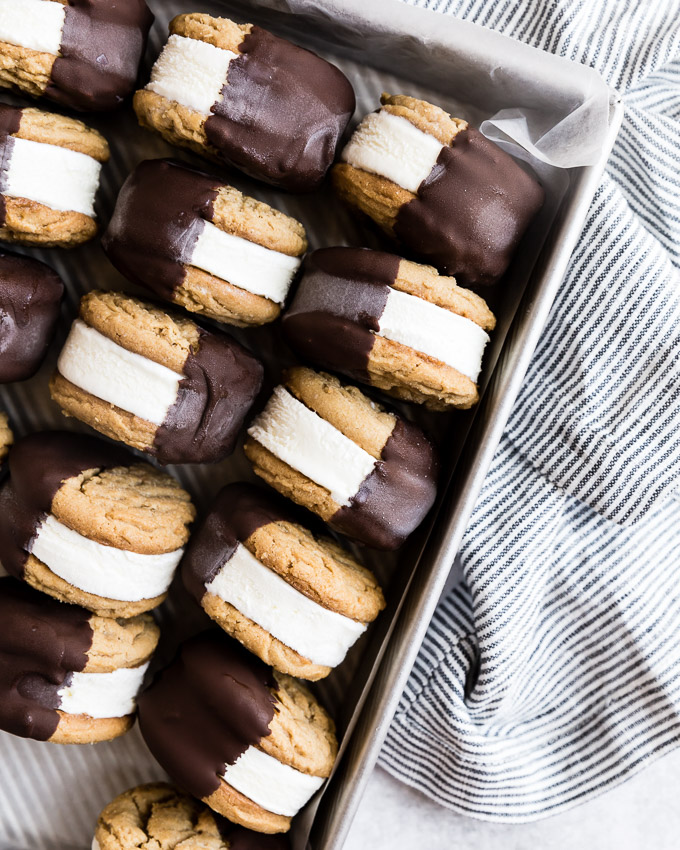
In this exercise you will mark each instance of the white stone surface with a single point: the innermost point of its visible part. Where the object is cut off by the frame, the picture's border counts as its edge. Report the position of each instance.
(640, 814)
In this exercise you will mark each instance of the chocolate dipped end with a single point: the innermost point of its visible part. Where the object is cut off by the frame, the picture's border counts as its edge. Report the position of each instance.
(471, 211)
(42, 642)
(336, 311)
(30, 298)
(239, 510)
(240, 838)
(10, 119)
(160, 213)
(102, 44)
(203, 711)
(395, 498)
(220, 385)
(282, 112)
(38, 466)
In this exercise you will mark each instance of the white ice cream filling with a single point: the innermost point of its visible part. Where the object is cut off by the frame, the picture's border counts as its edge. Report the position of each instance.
(434, 331)
(99, 695)
(34, 24)
(392, 147)
(57, 177)
(264, 597)
(191, 72)
(245, 264)
(110, 372)
(275, 786)
(100, 569)
(307, 442)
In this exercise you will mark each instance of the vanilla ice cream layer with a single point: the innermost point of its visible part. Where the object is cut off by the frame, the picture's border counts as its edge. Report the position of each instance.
(103, 694)
(307, 442)
(392, 147)
(275, 786)
(57, 177)
(244, 264)
(264, 597)
(110, 372)
(34, 24)
(95, 844)
(191, 72)
(434, 331)
(99, 569)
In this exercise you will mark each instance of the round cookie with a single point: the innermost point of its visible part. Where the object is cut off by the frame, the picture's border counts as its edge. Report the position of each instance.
(83, 54)
(365, 471)
(50, 175)
(66, 675)
(252, 743)
(194, 240)
(87, 523)
(390, 323)
(30, 299)
(240, 94)
(443, 190)
(155, 380)
(297, 601)
(159, 815)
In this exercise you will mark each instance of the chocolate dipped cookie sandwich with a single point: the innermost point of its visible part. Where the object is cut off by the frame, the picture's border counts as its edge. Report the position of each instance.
(66, 675)
(158, 815)
(442, 189)
(49, 178)
(154, 380)
(297, 601)
(236, 92)
(364, 470)
(252, 743)
(390, 323)
(83, 54)
(194, 240)
(6, 440)
(86, 522)
(30, 300)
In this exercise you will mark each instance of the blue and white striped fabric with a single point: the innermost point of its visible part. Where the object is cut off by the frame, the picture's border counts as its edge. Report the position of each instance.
(553, 671)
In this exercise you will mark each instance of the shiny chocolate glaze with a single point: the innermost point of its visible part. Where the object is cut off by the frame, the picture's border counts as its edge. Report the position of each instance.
(471, 211)
(159, 215)
(240, 838)
(238, 511)
(42, 643)
(102, 44)
(282, 112)
(221, 382)
(10, 119)
(30, 298)
(395, 498)
(38, 465)
(337, 307)
(205, 709)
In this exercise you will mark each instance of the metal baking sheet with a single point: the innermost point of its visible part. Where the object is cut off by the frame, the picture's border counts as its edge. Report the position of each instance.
(50, 795)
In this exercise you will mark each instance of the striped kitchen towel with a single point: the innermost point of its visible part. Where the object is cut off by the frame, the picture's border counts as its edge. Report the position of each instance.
(553, 670)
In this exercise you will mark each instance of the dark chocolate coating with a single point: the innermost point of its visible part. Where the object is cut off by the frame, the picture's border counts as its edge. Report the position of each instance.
(337, 307)
(282, 112)
(42, 642)
(238, 511)
(38, 465)
(471, 211)
(220, 385)
(205, 709)
(10, 118)
(394, 499)
(102, 44)
(240, 838)
(159, 215)
(30, 298)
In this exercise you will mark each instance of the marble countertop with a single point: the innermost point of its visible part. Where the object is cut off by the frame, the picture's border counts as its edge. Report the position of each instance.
(640, 814)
